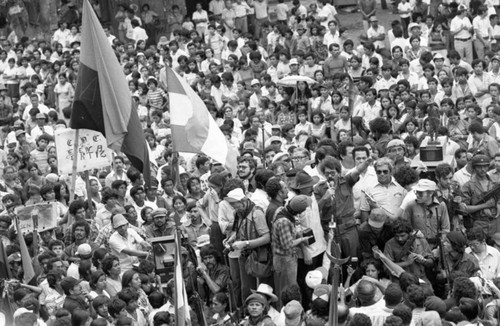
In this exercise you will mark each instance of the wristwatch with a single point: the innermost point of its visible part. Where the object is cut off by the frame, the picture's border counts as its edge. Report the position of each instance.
(247, 243)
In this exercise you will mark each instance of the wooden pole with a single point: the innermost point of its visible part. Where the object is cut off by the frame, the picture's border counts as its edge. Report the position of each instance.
(89, 193)
(75, 165)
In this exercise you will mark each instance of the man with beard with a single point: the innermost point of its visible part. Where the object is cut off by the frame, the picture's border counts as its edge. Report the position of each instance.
(246, 170)
(80, 231)
(456, 258)
(426, 213)
(213, 276)
(251, 233)
(160, 226)
(482, 214)
(409, 249)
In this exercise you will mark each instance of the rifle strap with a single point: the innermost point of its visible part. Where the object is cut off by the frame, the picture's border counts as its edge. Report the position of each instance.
(406, 247)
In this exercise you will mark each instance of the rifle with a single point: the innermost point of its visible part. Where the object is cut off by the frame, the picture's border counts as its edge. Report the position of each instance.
(442, 256)
(233, 313)
(492, 193)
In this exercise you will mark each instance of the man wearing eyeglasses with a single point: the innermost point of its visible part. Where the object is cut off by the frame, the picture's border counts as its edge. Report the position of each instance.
(488, 257)
(386, 193)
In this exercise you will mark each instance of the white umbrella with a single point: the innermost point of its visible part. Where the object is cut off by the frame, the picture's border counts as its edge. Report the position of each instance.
(291, 81)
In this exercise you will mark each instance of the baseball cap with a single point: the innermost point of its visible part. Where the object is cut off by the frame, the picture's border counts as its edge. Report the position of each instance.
(425, 185)
(235, 195)
(118, 220)
(159, 212)
(314, 278)
(373, 19)
(14, 257)
(40, 116)
(254, 82)
(396, 143)
(69, 283)
(293, 313)
(299, 203)
(84, 250)
(20, 132)
(439, 56)
(293, 61)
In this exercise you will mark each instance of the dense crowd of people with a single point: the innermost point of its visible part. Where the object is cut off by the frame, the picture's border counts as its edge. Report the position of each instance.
(382, 149)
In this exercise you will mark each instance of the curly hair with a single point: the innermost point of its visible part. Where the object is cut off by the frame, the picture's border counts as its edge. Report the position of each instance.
(416, 295)
(405, 175)
(463, 287)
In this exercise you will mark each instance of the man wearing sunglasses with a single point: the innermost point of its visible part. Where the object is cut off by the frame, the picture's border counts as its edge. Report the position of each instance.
(386, 194)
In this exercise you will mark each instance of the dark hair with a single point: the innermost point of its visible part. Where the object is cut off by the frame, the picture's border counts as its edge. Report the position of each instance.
(127, 295)
(75, 206)
(127, 278)
(403, 312)
(162, 318)
(469, 308)
(79, 317)
(98, 255)
(475, 233)
(107, 263)
(94, 278)
(443, 170)
(405, 175)
(80, 224)
(116, 306)
(463, 287)
(401, 226)
(100, 300)
(416, 295)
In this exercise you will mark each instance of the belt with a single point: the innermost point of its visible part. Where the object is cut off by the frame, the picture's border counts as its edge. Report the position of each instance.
(462, 39)
(344, 227)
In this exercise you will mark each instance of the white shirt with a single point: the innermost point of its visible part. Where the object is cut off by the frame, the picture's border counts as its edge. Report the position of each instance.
(325, 12)
(462, 176)
(483, 26)
(369, 112)
(377, 32)
(489, 264)
(117, 244)
(457, 24)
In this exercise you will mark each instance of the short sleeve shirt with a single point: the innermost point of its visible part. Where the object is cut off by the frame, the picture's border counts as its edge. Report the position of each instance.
(254, 226)
(117, 243)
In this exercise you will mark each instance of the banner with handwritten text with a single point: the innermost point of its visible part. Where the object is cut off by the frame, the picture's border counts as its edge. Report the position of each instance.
(93, 152)
(45, 213)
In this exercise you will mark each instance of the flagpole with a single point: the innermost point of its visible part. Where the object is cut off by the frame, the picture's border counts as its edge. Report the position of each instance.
(89, 193)
(75, 165)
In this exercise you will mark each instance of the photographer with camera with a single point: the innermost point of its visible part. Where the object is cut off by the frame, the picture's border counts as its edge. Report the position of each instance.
(285, 241)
